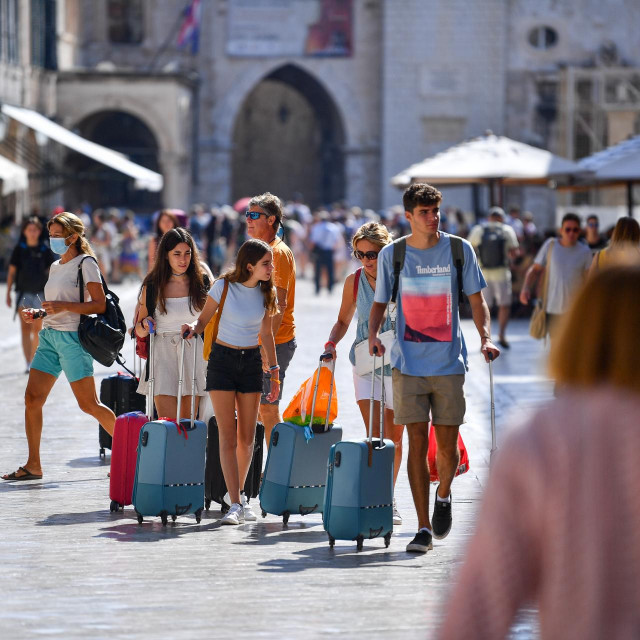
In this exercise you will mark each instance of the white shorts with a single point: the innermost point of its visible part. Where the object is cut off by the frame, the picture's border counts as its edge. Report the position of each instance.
(362, 387)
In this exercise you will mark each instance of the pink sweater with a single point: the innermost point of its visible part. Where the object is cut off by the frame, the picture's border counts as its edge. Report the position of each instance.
(559, 526)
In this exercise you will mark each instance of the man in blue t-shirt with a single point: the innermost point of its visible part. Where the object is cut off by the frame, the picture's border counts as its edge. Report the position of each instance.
(429, 356)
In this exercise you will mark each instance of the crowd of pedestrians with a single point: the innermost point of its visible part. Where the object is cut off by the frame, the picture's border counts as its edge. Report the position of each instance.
(410, 289)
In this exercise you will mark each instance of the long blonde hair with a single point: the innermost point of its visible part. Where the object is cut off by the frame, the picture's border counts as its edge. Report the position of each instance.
(72, 224)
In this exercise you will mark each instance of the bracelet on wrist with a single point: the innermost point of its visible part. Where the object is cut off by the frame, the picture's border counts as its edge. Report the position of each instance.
(330, 343)
(275, 380)
(275, 367)
(485, 337)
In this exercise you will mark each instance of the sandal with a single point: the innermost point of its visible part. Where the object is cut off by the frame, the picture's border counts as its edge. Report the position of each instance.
(27, 475)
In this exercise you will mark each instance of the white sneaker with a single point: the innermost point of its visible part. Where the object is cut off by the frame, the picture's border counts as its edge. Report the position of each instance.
(249, 515)
(227, 499)
(235, 515)
(397, 518)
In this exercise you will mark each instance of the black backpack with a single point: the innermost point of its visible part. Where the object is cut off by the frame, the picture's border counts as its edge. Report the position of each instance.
(491, 248)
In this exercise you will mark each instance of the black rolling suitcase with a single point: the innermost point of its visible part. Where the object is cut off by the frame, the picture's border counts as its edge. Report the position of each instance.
(214, 484)
(118, 392)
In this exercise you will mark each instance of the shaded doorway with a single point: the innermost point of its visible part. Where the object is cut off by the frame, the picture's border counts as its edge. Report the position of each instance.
(100, 186)
(288, 137)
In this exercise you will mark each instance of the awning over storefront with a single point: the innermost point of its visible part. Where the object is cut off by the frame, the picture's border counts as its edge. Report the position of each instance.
(13, 177)
(144, 178)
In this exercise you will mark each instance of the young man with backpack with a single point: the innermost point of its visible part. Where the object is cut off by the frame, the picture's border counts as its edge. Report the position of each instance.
(426, 273)
(496, 244)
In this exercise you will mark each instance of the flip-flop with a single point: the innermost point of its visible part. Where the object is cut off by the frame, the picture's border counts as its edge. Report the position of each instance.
(27, 475)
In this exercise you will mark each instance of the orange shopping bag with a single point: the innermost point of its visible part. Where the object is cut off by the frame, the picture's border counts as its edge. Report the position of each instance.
(301, 407)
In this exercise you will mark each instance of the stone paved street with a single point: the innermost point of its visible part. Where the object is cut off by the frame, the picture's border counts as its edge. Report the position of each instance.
(71, 569)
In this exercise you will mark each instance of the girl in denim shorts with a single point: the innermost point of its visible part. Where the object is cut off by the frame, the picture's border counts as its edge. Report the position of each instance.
(234, 372)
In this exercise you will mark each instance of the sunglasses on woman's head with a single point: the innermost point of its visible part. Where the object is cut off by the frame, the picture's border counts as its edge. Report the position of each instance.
(369, 255)
(254, 215)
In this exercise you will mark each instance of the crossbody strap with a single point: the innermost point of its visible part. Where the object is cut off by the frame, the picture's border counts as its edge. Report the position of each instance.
(80, 279)
(356, 282)
(545, 284)
(399, 252)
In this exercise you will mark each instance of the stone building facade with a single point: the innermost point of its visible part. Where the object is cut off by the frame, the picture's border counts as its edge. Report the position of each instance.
(253, 110)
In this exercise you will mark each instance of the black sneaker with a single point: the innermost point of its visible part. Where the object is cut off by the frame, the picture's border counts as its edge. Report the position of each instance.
(441, 519)
(421, 543)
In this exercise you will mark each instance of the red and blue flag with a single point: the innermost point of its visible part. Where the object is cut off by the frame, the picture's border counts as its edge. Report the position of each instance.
(190, 30)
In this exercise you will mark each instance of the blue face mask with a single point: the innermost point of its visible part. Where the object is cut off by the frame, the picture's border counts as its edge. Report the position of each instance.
(58, 245)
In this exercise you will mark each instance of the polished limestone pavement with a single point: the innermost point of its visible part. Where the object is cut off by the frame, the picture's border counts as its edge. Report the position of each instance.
(71, 569)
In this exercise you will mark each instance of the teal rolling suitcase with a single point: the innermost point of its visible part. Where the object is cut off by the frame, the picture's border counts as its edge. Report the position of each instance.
(358, 502)
(296, 471)
(170, 466)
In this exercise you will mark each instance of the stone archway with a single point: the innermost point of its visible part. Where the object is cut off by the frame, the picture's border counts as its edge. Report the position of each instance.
(288, 137)
(101, 186)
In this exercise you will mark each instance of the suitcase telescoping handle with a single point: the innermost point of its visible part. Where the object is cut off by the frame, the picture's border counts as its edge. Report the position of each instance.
(494, 446)
(371, 399)
(324, 358)
(193, 380)
(152, 380)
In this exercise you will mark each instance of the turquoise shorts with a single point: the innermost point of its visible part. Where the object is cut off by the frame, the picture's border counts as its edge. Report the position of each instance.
(61, 351)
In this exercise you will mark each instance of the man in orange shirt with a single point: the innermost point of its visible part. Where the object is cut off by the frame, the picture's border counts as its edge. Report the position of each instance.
(264, 217)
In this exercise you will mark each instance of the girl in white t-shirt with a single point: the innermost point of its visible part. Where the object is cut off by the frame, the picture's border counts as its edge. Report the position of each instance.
(234, 372)
(59, 348)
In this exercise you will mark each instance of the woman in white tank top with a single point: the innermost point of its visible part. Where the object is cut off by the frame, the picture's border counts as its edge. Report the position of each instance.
(173, 294)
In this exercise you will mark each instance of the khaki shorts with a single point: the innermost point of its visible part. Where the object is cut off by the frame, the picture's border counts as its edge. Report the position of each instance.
(415, 396)
(498, 293)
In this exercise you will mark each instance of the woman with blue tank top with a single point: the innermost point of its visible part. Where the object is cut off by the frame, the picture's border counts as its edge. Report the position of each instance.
(357, 295)
(234, 371)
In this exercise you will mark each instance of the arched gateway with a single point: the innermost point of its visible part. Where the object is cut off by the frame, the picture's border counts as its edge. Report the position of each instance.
(288, 137)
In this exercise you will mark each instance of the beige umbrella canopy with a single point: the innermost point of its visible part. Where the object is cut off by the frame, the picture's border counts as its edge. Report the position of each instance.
(488, 159)
(614, 166)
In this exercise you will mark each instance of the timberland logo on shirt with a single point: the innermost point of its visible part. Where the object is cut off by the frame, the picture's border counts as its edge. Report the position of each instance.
(431, 270)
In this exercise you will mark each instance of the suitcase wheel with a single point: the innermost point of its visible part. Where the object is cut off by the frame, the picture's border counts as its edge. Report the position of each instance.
(164, 516)
(139, 515)
(207, 504)
(359, 543)
(103, 453)
(332, 541)
(224, 507)
(285, 517)
(114, 506)
(198, 515)
(264, 513)
(174, 518)
(387, 539)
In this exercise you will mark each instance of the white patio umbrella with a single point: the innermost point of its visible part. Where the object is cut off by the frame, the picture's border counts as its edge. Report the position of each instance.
(614, 166)
(488, 159)
(12, 176)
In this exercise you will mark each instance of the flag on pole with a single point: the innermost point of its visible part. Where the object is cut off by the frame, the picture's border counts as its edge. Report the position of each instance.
(190, 29)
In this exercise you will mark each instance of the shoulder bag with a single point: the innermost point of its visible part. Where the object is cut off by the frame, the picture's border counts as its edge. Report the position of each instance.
(538, 324)
(211, 330)
(102, 335)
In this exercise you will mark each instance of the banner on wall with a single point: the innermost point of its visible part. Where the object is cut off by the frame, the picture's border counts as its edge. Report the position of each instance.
(318, 28)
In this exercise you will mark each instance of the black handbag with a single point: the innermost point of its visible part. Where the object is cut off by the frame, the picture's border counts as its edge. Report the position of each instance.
(102, 335)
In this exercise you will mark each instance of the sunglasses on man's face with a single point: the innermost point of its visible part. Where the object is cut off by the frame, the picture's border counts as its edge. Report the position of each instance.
(572, 229)
(254, 215)
(369, 255)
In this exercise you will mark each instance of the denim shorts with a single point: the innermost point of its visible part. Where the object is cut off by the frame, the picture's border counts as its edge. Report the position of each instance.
(234, 370)
(61, 351)
(284, 353)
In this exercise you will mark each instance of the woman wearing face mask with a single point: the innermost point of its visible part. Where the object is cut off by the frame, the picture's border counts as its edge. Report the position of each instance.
(59, 348)
(234, 372)
(29, 270)
(173, 294)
